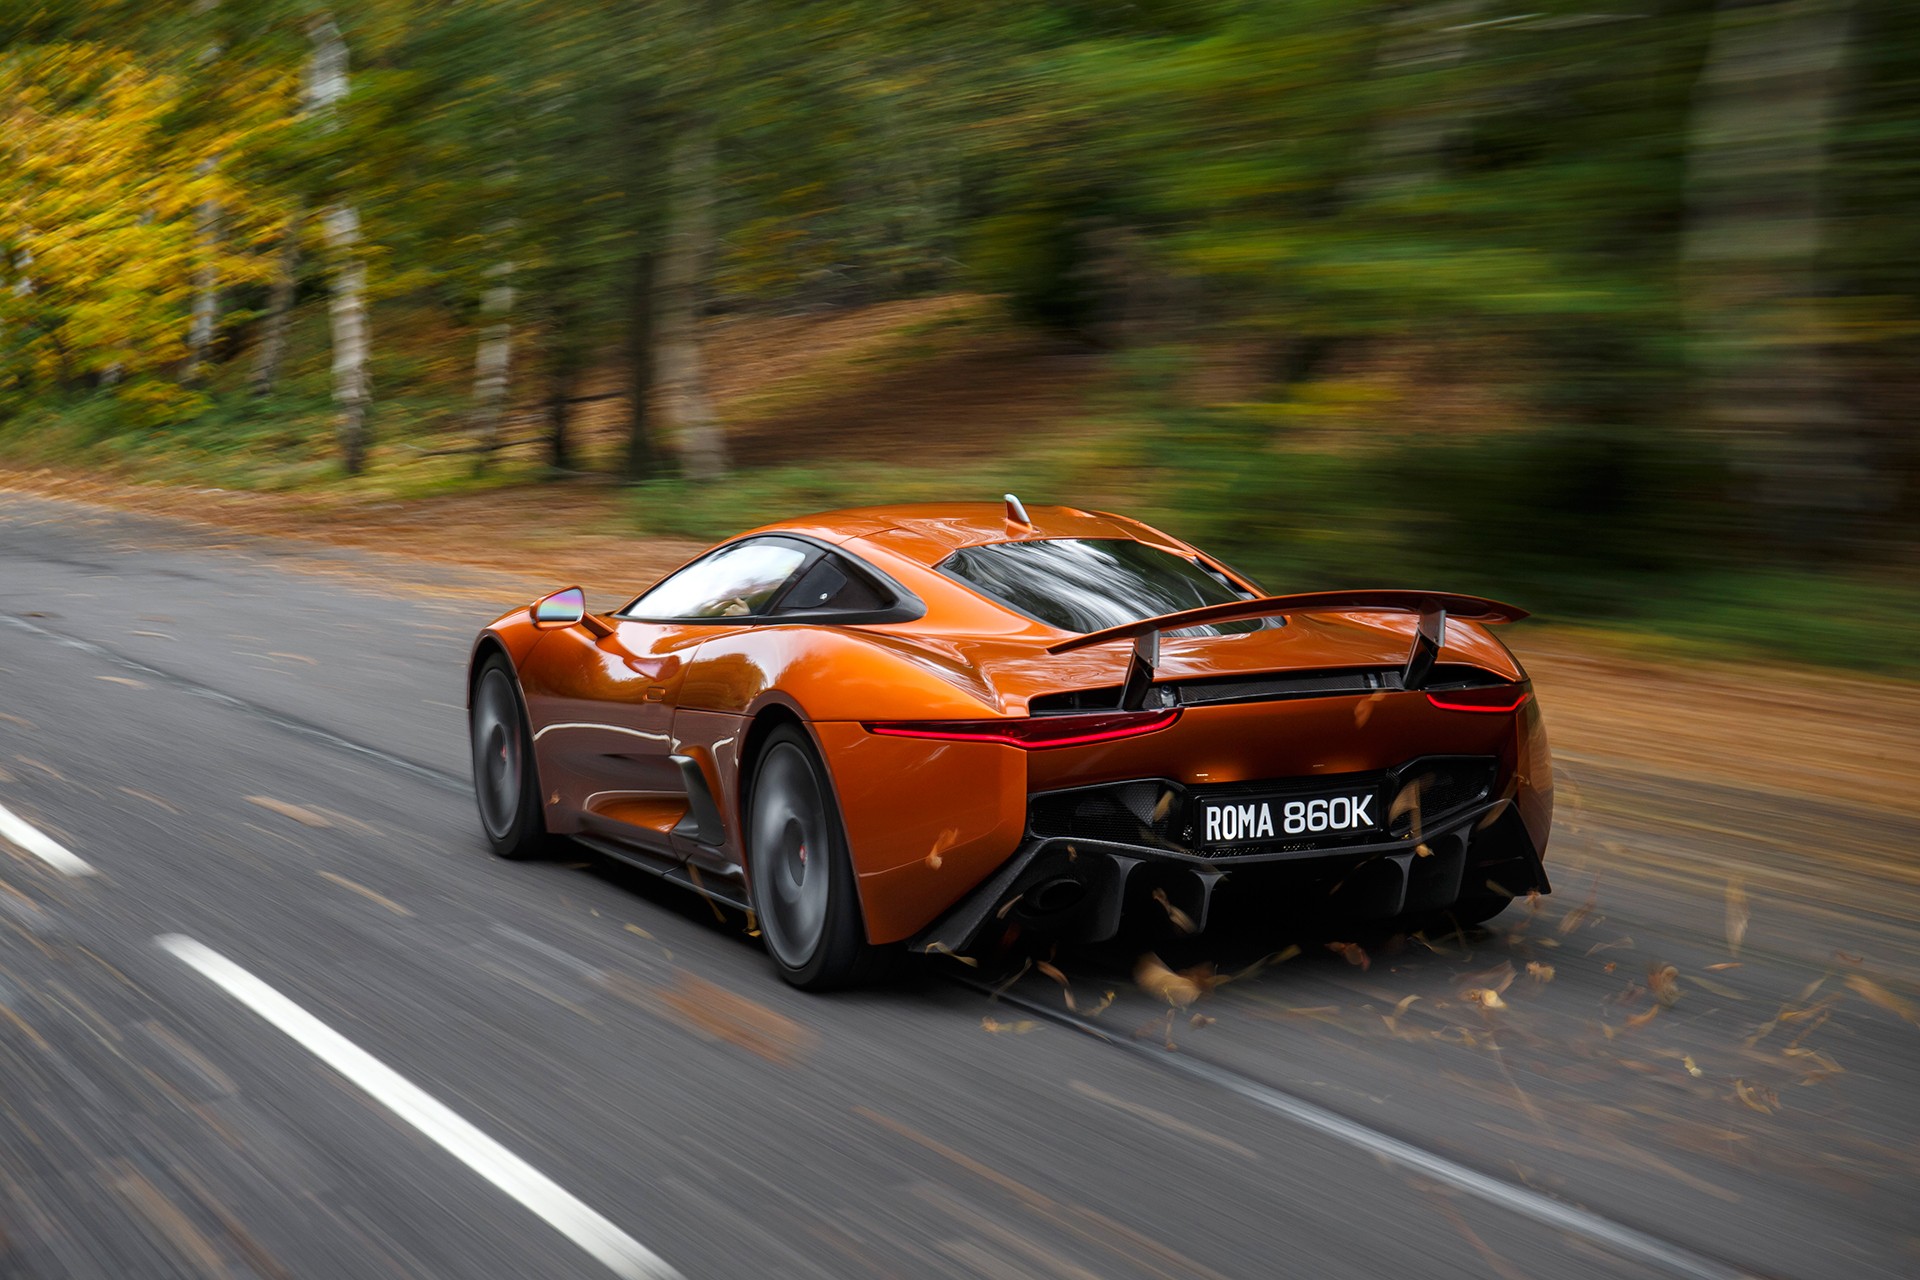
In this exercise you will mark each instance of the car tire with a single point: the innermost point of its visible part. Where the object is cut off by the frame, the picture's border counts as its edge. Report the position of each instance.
(506, 785)
(805, 898)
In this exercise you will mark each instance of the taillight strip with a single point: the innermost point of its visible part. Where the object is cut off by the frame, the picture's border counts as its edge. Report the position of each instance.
(1514, 704)
(1033, 733)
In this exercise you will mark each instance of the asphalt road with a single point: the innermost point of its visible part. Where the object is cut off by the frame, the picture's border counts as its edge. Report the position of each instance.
(259, 747)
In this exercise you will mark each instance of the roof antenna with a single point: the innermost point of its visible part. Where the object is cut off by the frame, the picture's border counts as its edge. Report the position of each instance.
(1017, 514)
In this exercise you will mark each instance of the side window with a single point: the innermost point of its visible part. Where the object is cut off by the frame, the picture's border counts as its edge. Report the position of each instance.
(832, 584)
(733, 582)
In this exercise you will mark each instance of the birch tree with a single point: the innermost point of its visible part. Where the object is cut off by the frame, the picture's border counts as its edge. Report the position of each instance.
(678, 297)
(340, 224)
(206, 230)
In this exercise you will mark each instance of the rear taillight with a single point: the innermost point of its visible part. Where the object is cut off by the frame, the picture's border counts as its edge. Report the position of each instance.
(1033, 733)
(1501, 697)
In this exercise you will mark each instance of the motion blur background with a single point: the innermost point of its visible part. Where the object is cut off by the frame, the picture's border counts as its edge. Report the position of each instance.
(1607, 309)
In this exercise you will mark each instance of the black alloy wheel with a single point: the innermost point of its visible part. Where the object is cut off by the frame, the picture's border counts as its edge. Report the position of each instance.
(504, 779)
(804, 893)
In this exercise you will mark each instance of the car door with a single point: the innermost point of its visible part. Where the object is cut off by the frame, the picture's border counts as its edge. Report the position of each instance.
(601, 706)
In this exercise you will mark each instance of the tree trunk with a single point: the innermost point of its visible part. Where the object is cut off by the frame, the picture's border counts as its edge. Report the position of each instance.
(491, 363)
(640, 450)
(352, 392)
(1411, 142)
(272, 352)
(677, 303)
(206, 234)
(1762, 118)
(560, 383)
(206, 284)
(347, 311)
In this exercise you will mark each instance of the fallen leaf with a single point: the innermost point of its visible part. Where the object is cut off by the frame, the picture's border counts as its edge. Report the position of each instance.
(305, 817)
(1181, 920)
(945, 841)
(1352, 953)
(1881, 996)
(1607, 946)
(1164, 805)
(132, 684)
(1401, 1008)
(1099, 1008)
(1718, 989)
(1578, 916)
(1001, 914)
(1500, 977)
(1163, 983)
(1061, 978)
(1484, 997)
(1691, 1069)
(1736, 912)
(1642, 1019)
(1018, 1028)
(1203, 977)
(942, 949)
(23, 723)
(1850, 959)
(1611, 965)
(1540, 973)
(1662, 980)
(1201, 1020)
(1747, 1095)
(1725, 964)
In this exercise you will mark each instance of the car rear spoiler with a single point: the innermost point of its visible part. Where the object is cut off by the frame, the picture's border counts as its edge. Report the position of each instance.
(1432, 606)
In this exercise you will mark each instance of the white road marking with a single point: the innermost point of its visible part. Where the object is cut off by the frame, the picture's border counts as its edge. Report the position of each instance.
(622, 1254)
(42, 846)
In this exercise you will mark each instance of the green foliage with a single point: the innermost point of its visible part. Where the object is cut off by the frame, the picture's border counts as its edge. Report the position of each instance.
(1329, 184)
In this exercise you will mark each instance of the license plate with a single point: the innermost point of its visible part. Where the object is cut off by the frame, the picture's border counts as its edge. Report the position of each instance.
(1278, 817)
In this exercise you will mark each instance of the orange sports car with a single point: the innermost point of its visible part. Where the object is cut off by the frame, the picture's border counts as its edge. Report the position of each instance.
(926, 725)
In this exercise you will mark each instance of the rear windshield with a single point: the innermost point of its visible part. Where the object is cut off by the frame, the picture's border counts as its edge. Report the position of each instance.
(1090, 584)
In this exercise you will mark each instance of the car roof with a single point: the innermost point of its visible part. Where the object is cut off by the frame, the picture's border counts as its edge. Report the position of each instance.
(942, 527)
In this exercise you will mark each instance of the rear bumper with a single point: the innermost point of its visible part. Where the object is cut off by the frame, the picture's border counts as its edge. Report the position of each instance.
(1081, 890)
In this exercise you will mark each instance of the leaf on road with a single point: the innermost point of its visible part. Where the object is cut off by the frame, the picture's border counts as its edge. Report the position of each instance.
(1610, 966)
(1540, 973)
(1736, 912)
(1579, 915)
(1850, 959)
(306, 817)
(1352, 953)
(1724, 964)
(1663, 981)
(1158, 981)
(1400, 1009)
(1018, 1028)
(1485, 997)
(1881, 996)
(1499, 978)
(1692, 1070)
(1608, 946)
(1718, 989)
(1751, 1095)
(1642, 1019)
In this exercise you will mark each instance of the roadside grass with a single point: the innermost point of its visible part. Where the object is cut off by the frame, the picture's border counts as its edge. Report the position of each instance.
(1617, 529)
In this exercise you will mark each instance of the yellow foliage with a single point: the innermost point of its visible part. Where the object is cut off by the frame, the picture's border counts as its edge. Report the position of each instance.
(98, 203)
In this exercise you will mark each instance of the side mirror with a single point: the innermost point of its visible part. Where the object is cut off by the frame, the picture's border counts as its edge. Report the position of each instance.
(561, 609)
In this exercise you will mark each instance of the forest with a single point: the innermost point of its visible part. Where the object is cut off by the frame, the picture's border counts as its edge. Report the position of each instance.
(1612, 309)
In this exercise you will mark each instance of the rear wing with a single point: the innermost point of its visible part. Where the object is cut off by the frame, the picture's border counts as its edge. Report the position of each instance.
(1432, 606)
